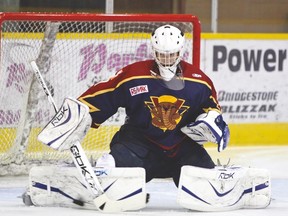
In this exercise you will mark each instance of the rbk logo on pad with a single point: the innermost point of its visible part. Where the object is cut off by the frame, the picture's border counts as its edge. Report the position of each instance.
(57, 120)
(224, 175)
(138, 90)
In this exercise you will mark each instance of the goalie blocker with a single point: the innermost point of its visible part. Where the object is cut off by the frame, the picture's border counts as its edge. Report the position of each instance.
(69, 125)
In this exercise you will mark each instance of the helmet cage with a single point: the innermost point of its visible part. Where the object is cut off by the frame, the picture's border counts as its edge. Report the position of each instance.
(167, 45)
(167, 59)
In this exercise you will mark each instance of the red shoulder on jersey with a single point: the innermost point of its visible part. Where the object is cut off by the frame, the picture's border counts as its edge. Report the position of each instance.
(190, 71)
(133, 71)
(195, 74)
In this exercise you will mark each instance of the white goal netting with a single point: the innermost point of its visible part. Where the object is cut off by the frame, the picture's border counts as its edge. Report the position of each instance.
(73, 52)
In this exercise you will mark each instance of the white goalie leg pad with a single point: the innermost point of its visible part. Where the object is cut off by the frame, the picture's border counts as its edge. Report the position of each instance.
(70, 124)
(62, 186)
(127, 186)
(58, 186)
(223, 189)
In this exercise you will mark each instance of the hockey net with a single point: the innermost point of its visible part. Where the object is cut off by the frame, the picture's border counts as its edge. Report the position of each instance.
(73, 52)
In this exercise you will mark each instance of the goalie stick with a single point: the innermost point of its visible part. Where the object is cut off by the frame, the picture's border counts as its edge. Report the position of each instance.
(101, 201)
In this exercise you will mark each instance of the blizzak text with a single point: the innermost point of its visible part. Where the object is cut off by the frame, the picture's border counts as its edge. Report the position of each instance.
(249, 108)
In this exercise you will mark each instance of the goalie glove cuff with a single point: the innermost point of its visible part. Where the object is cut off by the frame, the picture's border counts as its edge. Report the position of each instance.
(224, 139)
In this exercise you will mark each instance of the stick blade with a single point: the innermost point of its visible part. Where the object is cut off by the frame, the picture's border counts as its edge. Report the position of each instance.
(104, 204)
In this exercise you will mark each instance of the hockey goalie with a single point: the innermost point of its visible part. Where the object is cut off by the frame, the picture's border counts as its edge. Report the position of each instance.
(172, 111)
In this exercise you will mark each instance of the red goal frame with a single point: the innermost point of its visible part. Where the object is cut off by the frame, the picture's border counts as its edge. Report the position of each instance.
(23, 135)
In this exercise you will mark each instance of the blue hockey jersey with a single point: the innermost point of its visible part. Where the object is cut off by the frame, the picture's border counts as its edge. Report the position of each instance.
(156, 111)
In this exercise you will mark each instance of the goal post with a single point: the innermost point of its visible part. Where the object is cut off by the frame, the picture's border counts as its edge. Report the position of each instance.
(73, 52)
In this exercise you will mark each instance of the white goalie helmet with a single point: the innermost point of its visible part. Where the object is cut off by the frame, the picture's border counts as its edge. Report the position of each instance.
(167, 44)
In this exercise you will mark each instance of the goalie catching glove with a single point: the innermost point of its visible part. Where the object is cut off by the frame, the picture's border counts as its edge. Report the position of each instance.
(209, 127)
(70, 124)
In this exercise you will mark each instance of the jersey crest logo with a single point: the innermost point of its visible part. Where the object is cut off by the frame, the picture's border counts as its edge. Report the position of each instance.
(138, 90)
(166, 111)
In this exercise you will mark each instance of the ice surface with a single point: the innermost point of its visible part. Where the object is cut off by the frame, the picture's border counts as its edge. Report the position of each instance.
(163, 192)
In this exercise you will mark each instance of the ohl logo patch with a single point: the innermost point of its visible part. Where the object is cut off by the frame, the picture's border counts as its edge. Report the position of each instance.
(166, 111)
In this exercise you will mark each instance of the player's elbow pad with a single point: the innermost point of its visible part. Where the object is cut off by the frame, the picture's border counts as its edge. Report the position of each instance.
(209, 127)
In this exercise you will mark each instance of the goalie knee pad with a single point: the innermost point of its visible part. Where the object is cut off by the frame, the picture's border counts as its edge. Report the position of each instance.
(106, 161)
